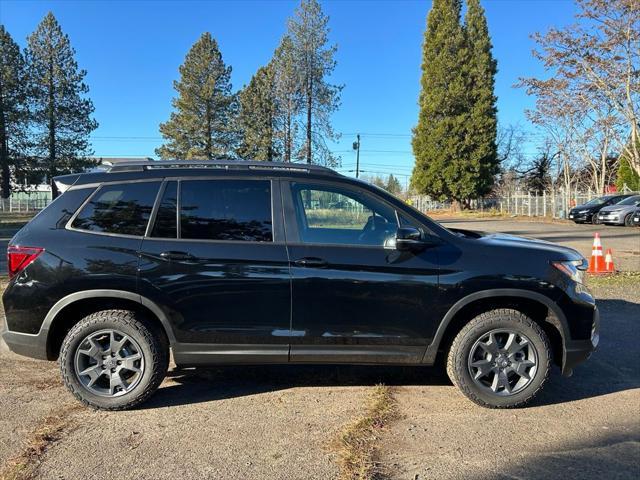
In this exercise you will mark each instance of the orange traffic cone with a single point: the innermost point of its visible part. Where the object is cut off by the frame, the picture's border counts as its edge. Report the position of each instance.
(596, 264)
(608, 262)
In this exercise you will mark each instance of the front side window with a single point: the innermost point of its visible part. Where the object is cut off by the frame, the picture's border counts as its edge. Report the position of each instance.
(335, 216)
(122, 209)
(226, 210)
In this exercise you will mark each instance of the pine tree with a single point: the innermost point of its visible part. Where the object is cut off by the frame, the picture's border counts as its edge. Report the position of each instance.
(287, 97)
(626, 175)
(60, 111)
(13, 109)
(203, 123)
(257, 117)
(483, 122)
(393, 185)
(440, 145)
(309, 32)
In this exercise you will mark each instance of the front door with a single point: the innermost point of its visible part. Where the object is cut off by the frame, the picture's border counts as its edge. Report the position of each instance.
(355, 298)
(216, 260)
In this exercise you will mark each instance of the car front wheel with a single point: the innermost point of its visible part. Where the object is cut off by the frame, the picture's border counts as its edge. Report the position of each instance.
(628, 220)
(500, 359)
(114, 359)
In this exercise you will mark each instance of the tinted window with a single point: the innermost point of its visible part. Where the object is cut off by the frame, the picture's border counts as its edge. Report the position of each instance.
(123, 209)
(335, 216)
(166, 219)
(226, 210)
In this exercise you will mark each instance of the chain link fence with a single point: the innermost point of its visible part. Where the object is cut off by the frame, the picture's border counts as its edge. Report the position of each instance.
(555, 204)
(25, 202)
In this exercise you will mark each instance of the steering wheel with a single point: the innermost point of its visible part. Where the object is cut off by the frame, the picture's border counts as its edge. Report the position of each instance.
(374, 231)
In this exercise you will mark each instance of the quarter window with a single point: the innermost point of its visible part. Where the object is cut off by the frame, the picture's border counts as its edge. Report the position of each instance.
(226, 210)
(122, 209)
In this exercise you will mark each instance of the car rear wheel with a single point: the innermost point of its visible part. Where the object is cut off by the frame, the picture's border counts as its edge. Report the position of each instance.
(500, 359)
(114, 359)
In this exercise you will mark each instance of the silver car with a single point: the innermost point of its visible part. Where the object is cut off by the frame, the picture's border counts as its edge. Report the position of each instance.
(621, 213)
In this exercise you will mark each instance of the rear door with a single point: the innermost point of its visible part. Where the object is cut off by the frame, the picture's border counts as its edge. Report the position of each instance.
(215, 257)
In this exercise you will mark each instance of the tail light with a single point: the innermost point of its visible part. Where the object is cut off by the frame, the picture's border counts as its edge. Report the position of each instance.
(19, 257)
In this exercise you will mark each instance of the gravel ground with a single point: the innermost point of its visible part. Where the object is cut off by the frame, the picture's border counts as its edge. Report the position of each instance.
(586, 426)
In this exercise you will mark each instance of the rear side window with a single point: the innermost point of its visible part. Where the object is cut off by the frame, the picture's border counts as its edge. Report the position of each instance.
(122, 209)
(226, 210)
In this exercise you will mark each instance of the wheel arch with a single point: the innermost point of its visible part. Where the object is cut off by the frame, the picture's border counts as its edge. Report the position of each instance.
(538, 307)
(71, 309)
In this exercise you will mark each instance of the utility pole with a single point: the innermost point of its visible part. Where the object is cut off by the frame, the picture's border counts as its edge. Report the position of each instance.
(356, 147)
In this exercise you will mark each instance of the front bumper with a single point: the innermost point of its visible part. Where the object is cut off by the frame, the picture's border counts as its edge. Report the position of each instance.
(34, 346)
(580, 217)
(579, 351)
(613, 218)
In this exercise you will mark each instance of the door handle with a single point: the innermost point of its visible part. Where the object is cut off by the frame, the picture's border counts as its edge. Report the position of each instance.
(311, 262)
(178, 256)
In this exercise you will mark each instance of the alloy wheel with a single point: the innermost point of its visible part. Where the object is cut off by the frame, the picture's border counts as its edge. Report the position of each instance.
(109, 363)
(503, 362)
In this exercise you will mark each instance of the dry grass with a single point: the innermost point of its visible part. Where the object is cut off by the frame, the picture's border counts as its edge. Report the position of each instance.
(357, 444)
(24, 466)
(618, 279)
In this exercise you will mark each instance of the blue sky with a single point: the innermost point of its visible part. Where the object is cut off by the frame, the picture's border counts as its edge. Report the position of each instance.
(131, 51)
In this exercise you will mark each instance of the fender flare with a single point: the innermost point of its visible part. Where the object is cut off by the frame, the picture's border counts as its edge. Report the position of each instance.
(105, 293)
(560, 321)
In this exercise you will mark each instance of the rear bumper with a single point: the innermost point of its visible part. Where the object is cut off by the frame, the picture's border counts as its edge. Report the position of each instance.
(579, 351)
(34, 346)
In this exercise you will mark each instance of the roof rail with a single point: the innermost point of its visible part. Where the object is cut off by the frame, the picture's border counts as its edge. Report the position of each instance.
(138, 166)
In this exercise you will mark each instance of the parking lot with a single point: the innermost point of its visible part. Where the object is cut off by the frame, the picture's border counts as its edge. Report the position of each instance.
(281, 422)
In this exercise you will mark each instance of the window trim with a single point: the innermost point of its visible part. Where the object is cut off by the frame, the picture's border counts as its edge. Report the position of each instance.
(69, 224)
(277, 235)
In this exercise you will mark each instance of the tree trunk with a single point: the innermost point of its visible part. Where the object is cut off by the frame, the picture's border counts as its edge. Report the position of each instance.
(53, 171)
(287, 137)
(208, 147)
(4, 153)
(309, 105)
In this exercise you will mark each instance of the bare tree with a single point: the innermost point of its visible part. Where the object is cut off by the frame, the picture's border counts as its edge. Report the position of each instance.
(595, 78)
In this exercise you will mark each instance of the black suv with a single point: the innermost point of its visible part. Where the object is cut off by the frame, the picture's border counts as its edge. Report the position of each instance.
(588, 212)
(252, 263)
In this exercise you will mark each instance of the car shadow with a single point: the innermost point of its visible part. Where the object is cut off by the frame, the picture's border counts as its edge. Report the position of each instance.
(612, 368)
(196, 385)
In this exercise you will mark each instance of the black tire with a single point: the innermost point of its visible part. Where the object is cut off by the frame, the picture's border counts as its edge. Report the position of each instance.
(594, 219)
(459, 358)
(154, 349)
(628, 220)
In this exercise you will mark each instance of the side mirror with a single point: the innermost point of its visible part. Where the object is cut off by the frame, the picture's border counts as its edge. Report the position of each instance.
(409, 239)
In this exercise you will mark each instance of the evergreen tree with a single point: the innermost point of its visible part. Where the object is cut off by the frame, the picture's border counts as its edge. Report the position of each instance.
(483, 122)
(440, 144)
(13, 109)
(60, 111)
(287, 97)
(627, 176)
(203, 123)
(309, 31)
(257, 117)
(393, 185)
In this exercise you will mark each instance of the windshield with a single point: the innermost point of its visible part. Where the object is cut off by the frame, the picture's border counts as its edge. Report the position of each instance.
(630, 200)
(597, 201)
